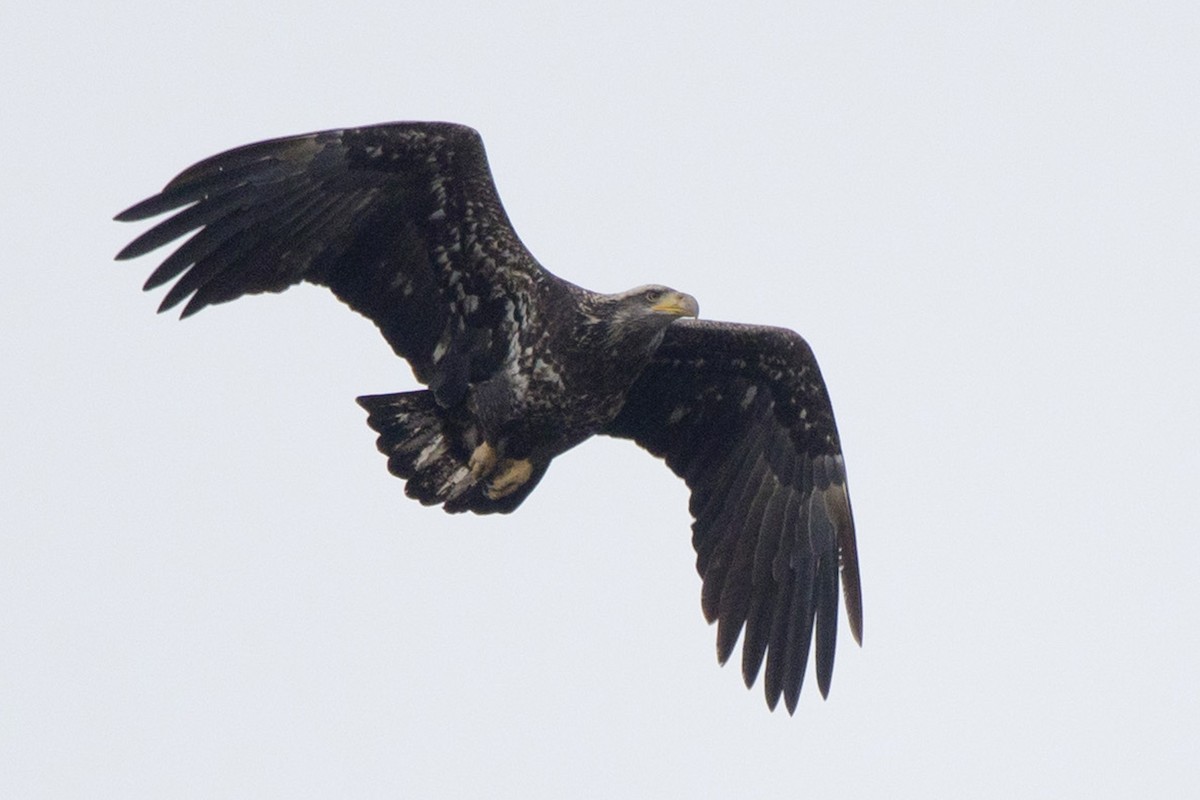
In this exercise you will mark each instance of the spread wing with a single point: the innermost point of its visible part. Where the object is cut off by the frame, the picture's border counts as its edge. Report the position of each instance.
(402, 221)
(741, 413)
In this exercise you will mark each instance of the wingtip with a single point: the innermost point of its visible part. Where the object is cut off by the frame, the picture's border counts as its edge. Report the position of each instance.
(729, 630)
(127, 252)
(167, 304)
(824, 679)
(852, 598)
(143, 209)
(750, 668)
(193, 306)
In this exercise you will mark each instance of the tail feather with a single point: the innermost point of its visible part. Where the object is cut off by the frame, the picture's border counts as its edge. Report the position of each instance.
(430, 450)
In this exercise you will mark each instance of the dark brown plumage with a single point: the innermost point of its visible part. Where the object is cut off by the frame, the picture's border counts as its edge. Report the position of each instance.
(403, 223)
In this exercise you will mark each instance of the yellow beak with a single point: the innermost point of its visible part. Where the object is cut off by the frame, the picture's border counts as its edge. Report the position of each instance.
(679, 304)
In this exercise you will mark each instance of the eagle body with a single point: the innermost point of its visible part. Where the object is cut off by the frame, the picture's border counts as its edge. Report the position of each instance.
(549, 395)
(403, 223)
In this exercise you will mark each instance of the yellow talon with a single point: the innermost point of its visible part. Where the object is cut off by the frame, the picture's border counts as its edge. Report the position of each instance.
(509, 476)
(483, 461)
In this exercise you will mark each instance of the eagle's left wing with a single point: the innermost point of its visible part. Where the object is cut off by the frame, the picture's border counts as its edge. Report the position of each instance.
(741, 413)
(401, 221)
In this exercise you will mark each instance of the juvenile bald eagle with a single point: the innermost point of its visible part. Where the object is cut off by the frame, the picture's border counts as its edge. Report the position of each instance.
(403, 223)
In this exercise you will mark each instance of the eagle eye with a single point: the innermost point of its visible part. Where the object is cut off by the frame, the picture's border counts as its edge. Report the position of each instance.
(654, 295)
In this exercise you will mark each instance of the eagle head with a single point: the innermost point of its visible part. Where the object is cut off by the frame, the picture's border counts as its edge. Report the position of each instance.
(636, 319)
(654, 304)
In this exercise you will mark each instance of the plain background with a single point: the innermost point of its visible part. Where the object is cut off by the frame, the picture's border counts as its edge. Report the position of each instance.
(982, 216)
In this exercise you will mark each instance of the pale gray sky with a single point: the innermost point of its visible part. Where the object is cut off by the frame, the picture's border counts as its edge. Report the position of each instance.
(984, 220)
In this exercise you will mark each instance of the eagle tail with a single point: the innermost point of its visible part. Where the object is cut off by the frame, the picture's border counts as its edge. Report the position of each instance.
(430, 450)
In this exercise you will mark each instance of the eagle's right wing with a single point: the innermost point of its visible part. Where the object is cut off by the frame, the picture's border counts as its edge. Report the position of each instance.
(741, 413)
(402, 221)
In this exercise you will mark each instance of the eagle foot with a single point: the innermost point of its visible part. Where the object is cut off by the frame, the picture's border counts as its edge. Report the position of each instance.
(483, 461)
(509, 476)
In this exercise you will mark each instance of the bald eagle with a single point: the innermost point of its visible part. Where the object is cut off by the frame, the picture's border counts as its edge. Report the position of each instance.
(403, 223)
